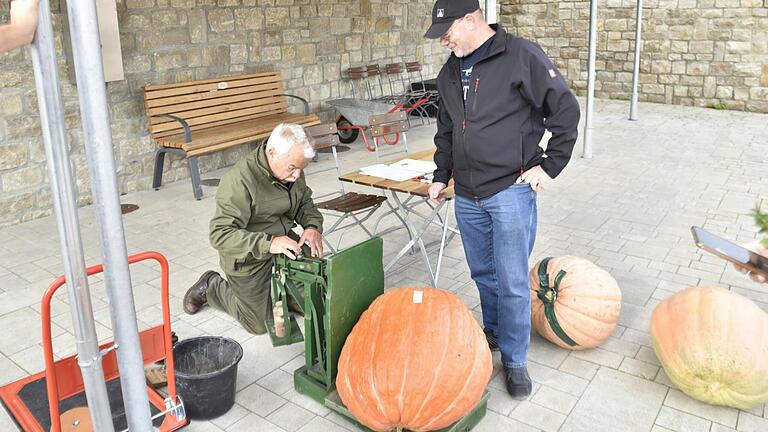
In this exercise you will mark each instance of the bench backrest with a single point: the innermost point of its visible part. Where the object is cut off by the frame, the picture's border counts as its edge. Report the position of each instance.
(213, 102)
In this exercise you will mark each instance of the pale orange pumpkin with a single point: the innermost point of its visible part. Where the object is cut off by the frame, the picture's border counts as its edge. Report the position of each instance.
(713, 345)
(414, 363)
(574, 303)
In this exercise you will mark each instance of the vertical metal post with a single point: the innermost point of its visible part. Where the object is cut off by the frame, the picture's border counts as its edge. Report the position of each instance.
(490, 11)
(65, 209)
(94, 111)
(587, 152)
(636, 70)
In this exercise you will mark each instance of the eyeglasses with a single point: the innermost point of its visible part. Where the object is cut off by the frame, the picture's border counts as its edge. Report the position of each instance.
(447, 35)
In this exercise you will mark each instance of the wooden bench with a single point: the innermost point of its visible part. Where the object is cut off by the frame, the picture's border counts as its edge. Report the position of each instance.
(195, 118)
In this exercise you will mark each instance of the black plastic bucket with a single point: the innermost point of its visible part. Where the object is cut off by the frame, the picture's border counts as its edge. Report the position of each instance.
(206, 374)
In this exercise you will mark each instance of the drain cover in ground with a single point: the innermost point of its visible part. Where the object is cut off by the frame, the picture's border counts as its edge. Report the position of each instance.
(210, 182)
(339, 149)
(127, 208)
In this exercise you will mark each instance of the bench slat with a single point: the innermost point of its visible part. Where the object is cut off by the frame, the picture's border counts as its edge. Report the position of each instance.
(237, 109)
(211, 80)
(243, 129)
(263, 132)
(194, 87)
(162, 106)
(264, 110)
(160, 137)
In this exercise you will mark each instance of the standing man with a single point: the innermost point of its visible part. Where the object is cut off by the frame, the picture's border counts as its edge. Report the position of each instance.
(258, 202)
(498, 93)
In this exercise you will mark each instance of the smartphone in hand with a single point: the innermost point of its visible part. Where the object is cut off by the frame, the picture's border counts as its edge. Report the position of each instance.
(730, 251)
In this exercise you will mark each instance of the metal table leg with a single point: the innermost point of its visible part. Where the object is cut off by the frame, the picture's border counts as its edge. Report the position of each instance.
(415, 236)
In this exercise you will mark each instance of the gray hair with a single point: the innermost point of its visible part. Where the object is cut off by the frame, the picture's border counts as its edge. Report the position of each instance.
(287, 135)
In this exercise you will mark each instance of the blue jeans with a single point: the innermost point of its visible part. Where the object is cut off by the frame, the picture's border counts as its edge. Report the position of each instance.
(498, 234)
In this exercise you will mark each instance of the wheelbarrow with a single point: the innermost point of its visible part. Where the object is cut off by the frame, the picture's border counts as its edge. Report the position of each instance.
(354, 114)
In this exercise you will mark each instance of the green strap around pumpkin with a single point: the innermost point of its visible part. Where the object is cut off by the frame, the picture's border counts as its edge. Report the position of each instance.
(548, 295)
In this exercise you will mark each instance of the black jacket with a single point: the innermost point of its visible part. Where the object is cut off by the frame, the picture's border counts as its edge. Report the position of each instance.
(515, 93)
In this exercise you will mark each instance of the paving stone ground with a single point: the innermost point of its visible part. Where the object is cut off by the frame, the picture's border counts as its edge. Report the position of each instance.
(629, 209)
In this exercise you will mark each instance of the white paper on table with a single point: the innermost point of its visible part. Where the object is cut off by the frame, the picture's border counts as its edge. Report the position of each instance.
(389, 172)
(421, 167)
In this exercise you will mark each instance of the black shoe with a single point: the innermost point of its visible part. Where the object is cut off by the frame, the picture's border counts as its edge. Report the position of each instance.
(196, 296)
(493, 341)
(518, 382)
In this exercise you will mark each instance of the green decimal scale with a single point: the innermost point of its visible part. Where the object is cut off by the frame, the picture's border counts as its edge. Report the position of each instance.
(333, 293)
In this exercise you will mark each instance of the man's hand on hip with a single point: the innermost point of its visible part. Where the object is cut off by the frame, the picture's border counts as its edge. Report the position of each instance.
(436, 192)
(536, 177)
(314, 239)
(284, 245)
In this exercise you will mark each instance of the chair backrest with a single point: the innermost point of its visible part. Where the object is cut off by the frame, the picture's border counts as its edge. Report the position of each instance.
(373, 69)
(326, 136)
(357, 73)
(415, 78)
(413, 66)
(374, 72)
(323, 136)
(389, 123)
(394, 72)
(357, 76)
(213, 102)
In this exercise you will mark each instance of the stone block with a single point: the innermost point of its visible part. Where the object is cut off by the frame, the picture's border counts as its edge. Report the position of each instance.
(273, 53)
(221, 20)
(277, 16)
(13, 156)
(735, 47)
(249, 19)
(22, 178)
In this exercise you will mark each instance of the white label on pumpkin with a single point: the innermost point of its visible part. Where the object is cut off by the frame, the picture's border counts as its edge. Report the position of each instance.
(418, 296)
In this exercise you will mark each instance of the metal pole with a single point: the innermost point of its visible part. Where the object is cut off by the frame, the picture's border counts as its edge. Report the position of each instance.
(587, 152)
(490, 11)
(86, 51)
(65, 209)
(636, 70)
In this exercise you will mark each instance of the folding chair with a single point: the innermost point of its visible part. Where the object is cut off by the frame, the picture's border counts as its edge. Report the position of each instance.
(384, 125)
(423, 100)
(345, 205)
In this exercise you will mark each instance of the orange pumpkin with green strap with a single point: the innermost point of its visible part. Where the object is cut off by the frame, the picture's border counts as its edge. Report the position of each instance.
(574, 303)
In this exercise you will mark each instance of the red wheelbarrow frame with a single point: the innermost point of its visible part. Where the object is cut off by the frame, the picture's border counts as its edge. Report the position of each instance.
(63, 377)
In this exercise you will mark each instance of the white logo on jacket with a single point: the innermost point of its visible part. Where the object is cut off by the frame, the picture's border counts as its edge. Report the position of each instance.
(440, 13)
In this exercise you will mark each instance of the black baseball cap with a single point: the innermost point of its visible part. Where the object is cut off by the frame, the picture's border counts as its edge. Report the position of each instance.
(445, 12)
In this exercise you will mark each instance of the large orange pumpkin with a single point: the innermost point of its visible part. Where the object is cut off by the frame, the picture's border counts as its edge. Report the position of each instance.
(574, 303)
(414, 361)
(713, 345)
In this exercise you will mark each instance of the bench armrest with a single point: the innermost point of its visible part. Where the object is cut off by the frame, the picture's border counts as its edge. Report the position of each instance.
(184, 124)
(306, 104)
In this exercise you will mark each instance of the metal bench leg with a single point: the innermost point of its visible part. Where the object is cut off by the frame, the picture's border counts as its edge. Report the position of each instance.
(194, 174)
(157, 180)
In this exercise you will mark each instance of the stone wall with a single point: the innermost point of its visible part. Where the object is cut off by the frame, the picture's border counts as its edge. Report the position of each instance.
(310, 41)
(694, 52)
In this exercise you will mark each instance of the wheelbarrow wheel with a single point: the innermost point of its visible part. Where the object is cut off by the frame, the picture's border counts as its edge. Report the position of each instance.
(347, 136)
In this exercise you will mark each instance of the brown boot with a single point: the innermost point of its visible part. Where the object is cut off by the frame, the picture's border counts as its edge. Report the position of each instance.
(196, 296)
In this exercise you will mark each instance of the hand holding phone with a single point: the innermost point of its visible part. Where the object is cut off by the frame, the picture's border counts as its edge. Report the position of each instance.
(745, 260)
(759, 249)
